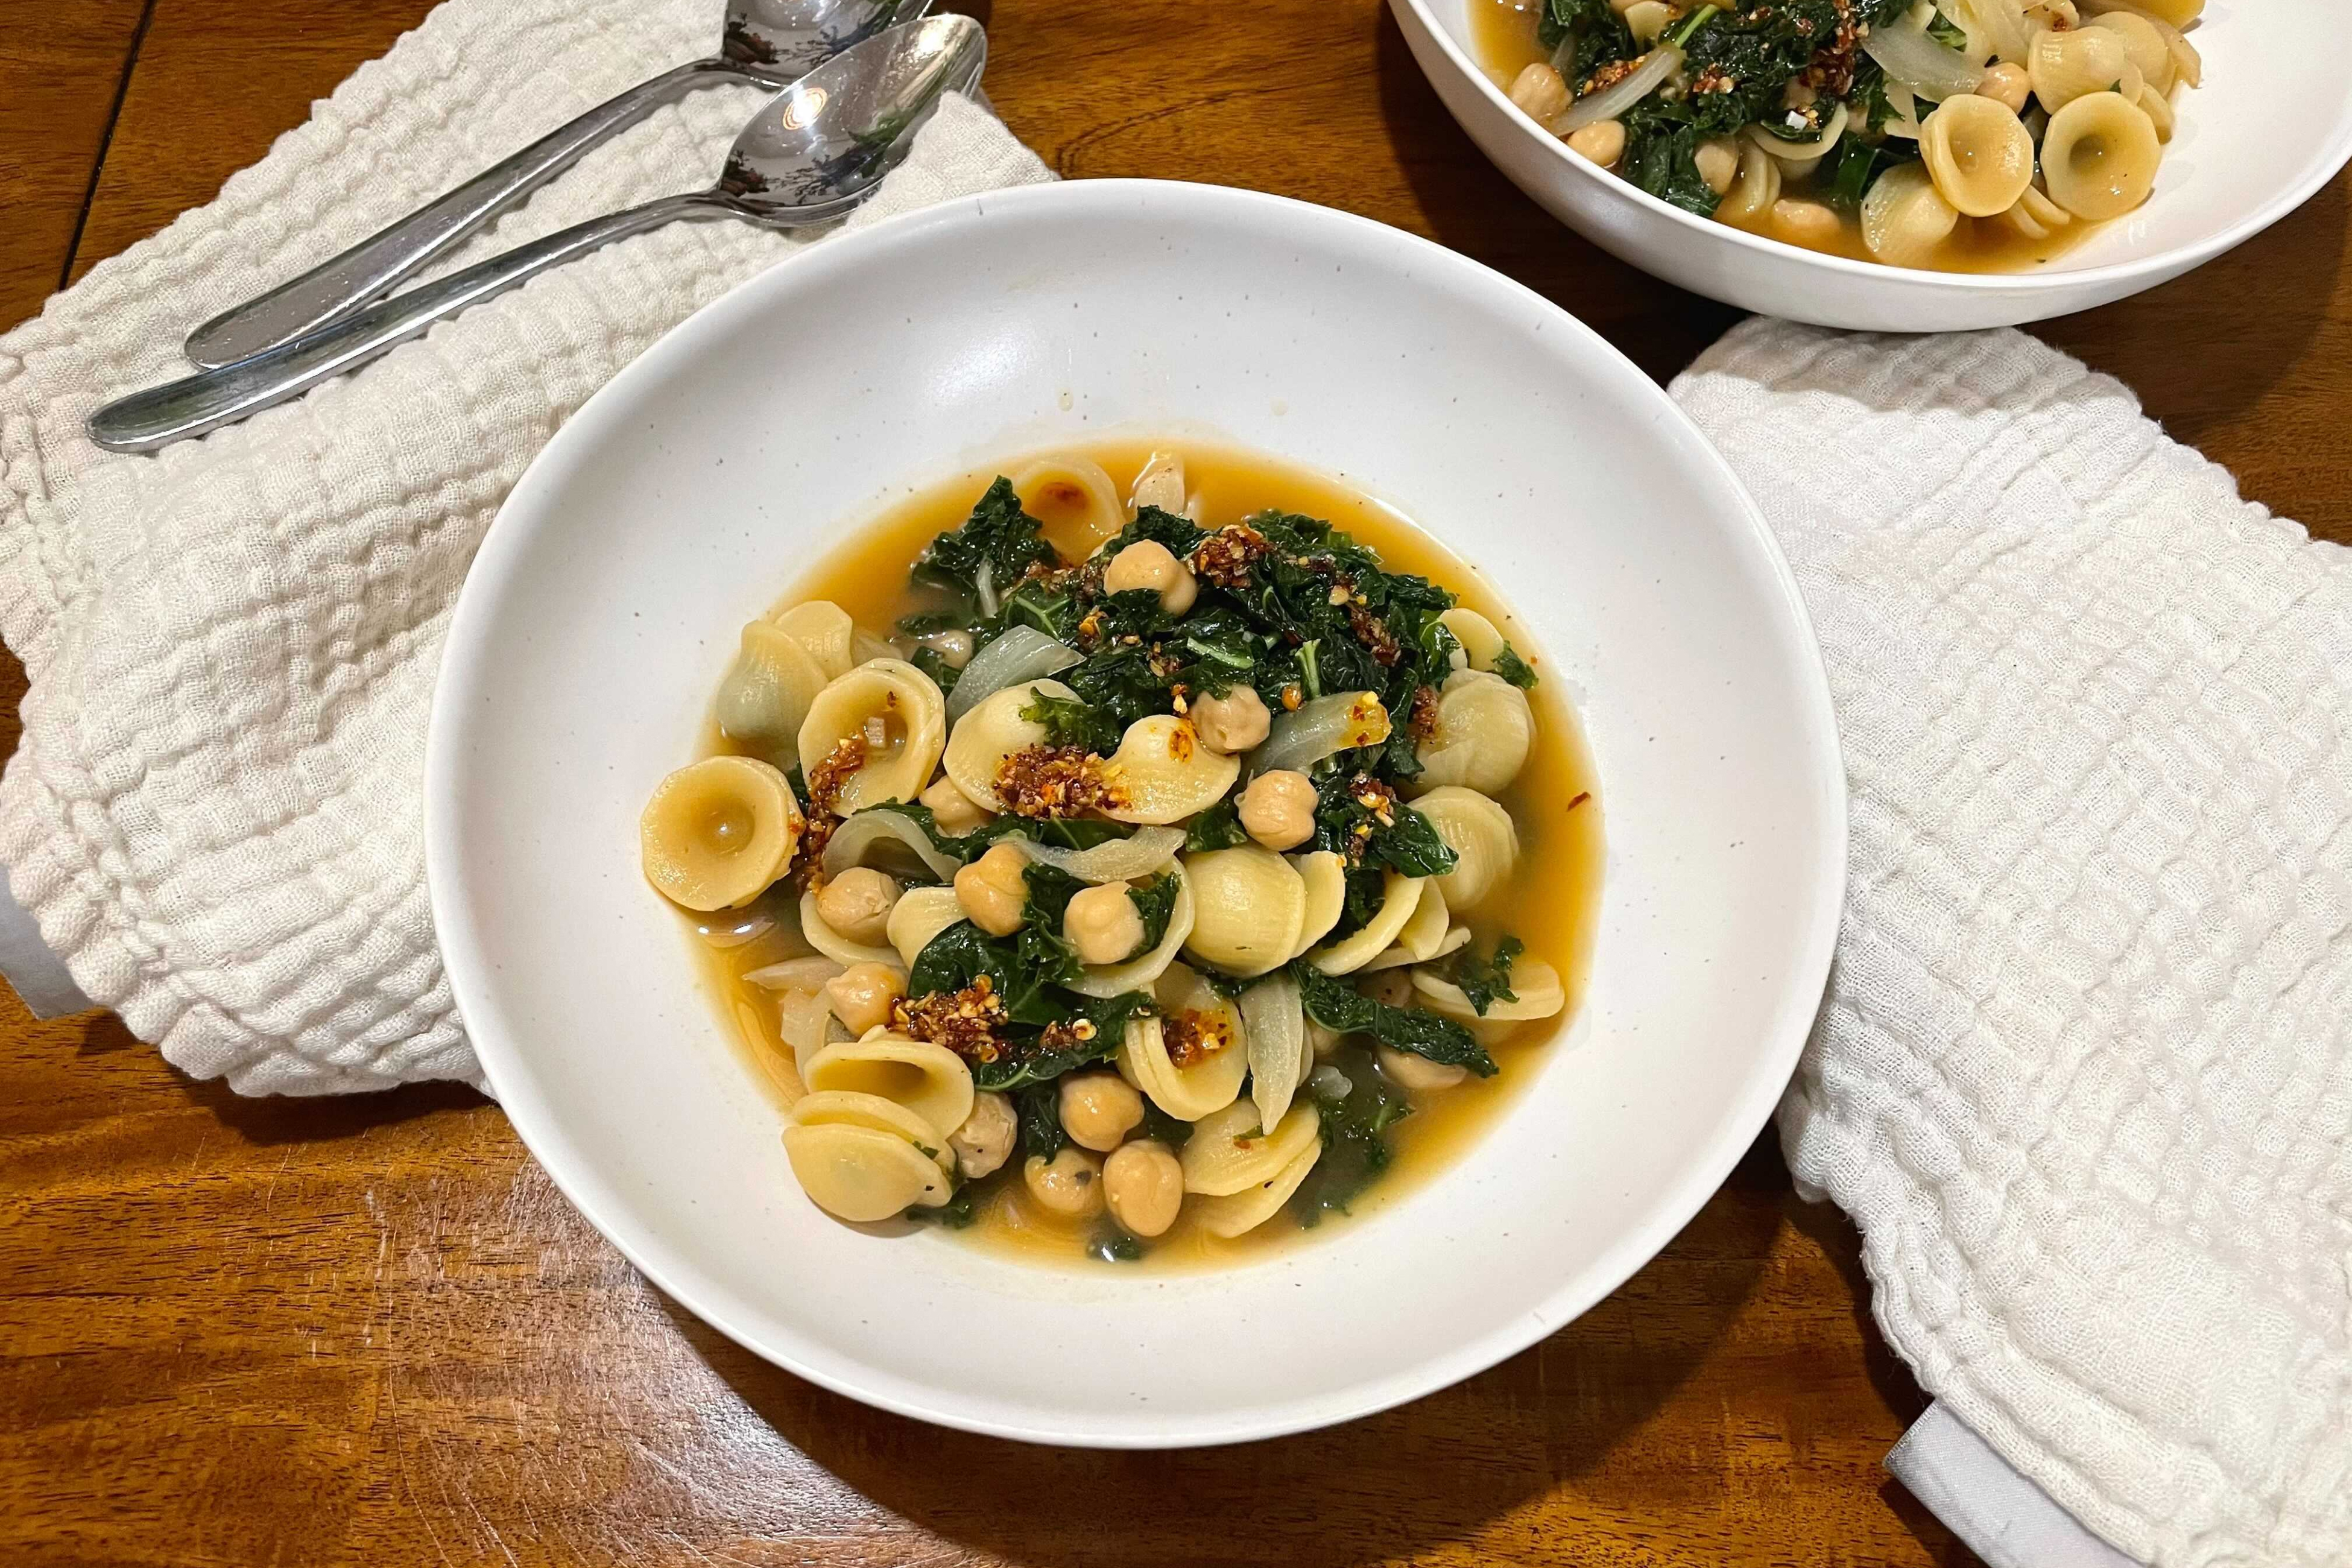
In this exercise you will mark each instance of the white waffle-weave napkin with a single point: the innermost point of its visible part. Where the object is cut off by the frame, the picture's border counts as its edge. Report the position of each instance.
(213, 814)
(2085, 1077)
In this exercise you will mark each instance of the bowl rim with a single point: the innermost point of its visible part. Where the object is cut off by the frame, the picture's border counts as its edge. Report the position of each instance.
(2155, 267)
(466, 951)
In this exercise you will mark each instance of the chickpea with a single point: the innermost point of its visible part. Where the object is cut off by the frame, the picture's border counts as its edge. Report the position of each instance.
(2007, 85)
(1099, 1108)
(1233, 722)
(1069, 1184)
(1540, 92)
(1392, 987)
(1148, 563)
(1718, 162)
(1325, 1042)
(857, 903)
(1417, 1074)
(953, 810)
(860, 995)
(993, 889)
(1278, 808)
(984, 1142)
(1805, 223)
(1144, 1183)
(1602, 141)
(1103, 925)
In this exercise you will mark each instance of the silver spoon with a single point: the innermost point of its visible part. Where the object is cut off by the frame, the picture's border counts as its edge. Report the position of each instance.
(813, 155)
(769, 43)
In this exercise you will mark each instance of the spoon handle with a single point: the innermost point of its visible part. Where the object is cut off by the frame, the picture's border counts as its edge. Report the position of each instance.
(373, 268)
(209, 399)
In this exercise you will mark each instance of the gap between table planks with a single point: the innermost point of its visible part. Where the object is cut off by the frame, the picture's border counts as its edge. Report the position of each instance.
(370, 1329)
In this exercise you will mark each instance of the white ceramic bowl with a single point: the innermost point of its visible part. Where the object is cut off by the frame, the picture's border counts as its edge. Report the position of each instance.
(2270, 125)
(691, 492)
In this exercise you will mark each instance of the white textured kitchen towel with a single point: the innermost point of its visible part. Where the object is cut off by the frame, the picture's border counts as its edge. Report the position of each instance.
(213, 814)
(2085, 1077)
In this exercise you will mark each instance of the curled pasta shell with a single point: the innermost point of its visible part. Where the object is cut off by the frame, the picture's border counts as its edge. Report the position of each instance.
(836, 946)
(1249, 905)
(1801, 158)
(1425, 933)
(862, 1173)
(1484, 839)
(1753, 191)
(793, 974)
(2065, 65)
(1163, 771)
(993, 731)
(1074, 504)
(895, 711)
(1977, 153)
(824, 630)
(1161, 484)
(919, 915)
(2036, 215)
(928, 1080)
(768, 692)
(2145, 44)
(717, 832)
(1325, 875)
(2100, 156)
(1244, 1211)
(1188, 1094)
(1482, 644)
(1905, 218)
(850, 1109)
(1481, 738)
(805, 1024)
(1229, 1152)
(1143, 971)
(1535, 983)
(1397, 957)
(1400, 894)
(2159, 109)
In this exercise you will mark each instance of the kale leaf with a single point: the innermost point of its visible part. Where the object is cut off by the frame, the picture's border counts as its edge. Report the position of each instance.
(1337, 1005)
(1355, 1146)
(1407, 841)
(1218, 827)
(1155, 901)
(1039, 1106)
(1064, 832)
(1072, 721)
(957, 1213)
(1515, 669)
(998, 534)
(1486, 981)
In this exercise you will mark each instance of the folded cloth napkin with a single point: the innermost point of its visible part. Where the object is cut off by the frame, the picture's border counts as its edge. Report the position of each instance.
(212, 815)
(2084, 1079)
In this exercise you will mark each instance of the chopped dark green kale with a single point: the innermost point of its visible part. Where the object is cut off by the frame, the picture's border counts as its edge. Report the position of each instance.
(1362, 821)
(998, 535)
(1112, 1245)
(1060, 832)
(1515, 669)
(1070, 721)
(1486, 981)
(1045, 1029)
(957, 1213)
(1155, 902)
(1039, 1109)
(934, 663)
(1337, 1005)
(1218, 827)
(1355, 1143)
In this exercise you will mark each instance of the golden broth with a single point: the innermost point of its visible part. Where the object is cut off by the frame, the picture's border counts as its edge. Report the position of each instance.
(1554, 803)
(1503, 34)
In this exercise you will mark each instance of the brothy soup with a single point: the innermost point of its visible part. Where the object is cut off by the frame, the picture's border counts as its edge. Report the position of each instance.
(1148, 854)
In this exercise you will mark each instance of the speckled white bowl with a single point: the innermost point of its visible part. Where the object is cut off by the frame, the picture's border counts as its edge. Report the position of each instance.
(687, 495)
(2270, 125)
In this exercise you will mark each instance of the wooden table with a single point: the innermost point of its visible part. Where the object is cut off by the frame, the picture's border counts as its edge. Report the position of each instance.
(369, 1331)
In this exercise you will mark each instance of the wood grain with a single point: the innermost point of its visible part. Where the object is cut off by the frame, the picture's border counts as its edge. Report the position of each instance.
(370, 1330)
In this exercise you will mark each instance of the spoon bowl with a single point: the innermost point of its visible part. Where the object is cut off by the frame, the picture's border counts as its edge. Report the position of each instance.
(811, 155)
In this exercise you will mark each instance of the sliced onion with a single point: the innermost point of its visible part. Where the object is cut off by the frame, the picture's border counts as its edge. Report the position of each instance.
(1917, 61)
(806, 1026)
(1022, 653)
(1996, 28)
(1320, 729)
(1147, 850)
(794, 975)
(983, 582)
(1617, 98)
(1278, 1054)
(862, 829)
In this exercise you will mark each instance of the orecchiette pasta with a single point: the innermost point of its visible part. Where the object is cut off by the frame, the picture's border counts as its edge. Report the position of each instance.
(1978, 154)
(1482, 735)
(887, 720)
(929, 1080)
(1399, 896)
(1905, 218)
(2065, 65)
(1163, 771)
(1161, 484)
(1230, 1152)
(1249, 905)
(862, 1173)
(718, 832)
(1325, 874)
(1074, 500)
(2100, 156)
(852, 1107)
(1485, 841)
(1244, 1211)
(1481, 643)
(1422, 936)
(993, 732)
(1755, 190)
(768, 692)
(825, 632)
(1211, 1038)
(1536, 986)
(2145, 44)
(919, 915)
